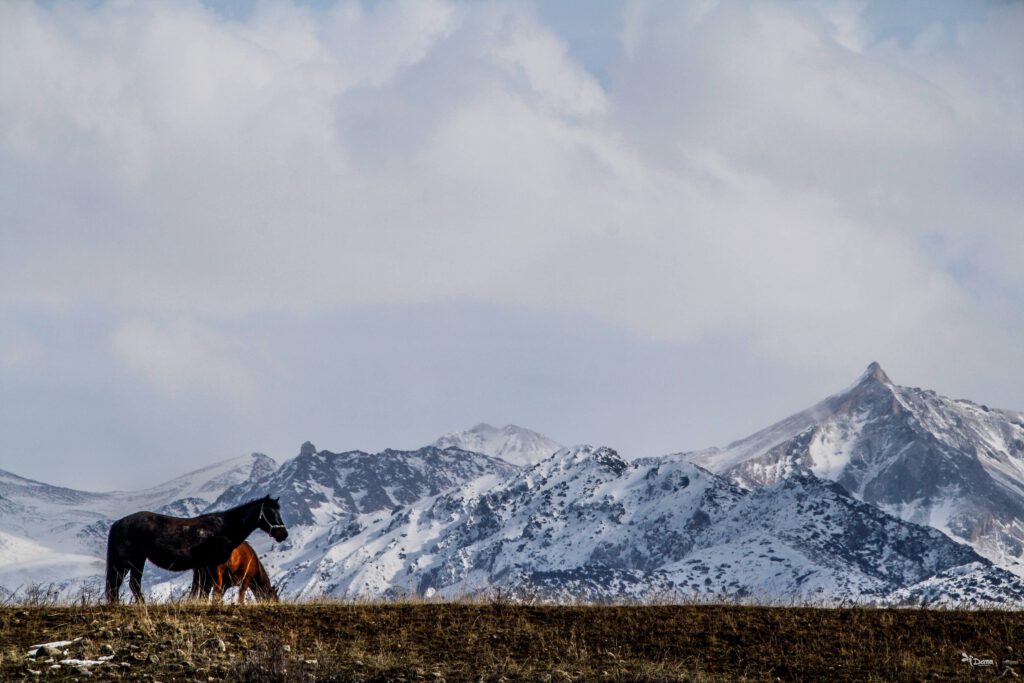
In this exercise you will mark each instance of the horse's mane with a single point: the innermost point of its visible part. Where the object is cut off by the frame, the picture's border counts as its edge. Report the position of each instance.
(248, 504)
(254, 501)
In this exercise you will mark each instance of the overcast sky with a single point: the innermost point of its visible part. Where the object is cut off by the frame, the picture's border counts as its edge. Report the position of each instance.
(234, 226)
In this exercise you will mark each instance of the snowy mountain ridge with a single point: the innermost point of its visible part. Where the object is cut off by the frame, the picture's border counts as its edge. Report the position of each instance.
(586, 524)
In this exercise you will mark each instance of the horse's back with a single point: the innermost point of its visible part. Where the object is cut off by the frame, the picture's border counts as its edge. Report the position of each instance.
(244, 569)
(127, 525)
(175, 543)
(243, 556)
(142, 518)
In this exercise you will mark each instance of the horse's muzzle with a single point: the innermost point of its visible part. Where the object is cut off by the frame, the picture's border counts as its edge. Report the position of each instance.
(279, 534)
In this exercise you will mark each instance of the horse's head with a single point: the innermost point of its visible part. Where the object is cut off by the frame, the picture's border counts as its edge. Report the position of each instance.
(270, 519)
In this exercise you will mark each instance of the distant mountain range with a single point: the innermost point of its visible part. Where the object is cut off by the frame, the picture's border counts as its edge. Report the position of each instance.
(879, 494)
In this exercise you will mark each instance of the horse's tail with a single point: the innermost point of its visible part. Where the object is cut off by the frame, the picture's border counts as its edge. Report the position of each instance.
(115, 568)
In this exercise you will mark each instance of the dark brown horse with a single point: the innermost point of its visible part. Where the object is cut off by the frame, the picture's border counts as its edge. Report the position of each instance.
(243, 569)
(178, 543)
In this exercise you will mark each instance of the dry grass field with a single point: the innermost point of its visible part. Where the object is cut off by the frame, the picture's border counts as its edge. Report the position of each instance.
(327, 641)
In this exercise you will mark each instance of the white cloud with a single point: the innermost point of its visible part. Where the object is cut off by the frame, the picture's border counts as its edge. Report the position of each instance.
(183, 358)
(765, 169)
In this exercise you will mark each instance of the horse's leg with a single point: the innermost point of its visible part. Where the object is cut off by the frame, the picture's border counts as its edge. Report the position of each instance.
(115, 575)
(201, 583)
(218, 585)
(116, 562)
(193, 591)
(135, 581)
(242, 587)
(247, 576)
(209, 579)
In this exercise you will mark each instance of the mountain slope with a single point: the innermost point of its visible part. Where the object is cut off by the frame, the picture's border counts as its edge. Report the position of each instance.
(950, 464)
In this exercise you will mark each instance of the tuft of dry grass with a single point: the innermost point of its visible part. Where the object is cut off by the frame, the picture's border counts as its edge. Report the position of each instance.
(326, 641)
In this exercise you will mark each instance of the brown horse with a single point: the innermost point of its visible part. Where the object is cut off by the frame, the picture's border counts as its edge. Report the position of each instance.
(242, 569)
(178, 544)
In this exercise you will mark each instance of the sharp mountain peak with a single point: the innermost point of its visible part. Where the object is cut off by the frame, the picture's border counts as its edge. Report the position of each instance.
(875, 373)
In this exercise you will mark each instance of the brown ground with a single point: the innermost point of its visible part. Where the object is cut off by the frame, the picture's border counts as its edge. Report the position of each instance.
(495, 642)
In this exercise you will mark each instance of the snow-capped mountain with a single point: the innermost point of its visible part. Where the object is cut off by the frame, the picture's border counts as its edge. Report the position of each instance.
(513, 444)
(586, 524)
(951, 464)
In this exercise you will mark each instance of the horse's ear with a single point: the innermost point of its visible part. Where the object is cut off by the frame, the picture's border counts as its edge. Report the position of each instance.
(277, 500)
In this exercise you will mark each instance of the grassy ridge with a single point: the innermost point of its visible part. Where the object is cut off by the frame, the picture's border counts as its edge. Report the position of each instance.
(492, 642)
